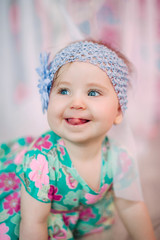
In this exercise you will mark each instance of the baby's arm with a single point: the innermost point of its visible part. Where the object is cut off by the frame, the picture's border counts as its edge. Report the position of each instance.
(34, 216)
(136, 219)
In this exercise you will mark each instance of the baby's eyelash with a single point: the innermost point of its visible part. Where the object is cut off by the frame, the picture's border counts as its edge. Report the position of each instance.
(63, 91)
(95, 92)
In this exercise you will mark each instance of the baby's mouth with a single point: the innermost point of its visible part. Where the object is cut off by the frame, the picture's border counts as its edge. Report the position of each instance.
(76, 121)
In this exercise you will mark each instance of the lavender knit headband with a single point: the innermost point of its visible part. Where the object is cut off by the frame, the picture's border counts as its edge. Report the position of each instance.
(94, 53)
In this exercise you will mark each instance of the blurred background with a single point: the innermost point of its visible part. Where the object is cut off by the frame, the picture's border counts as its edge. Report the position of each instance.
(30, 27)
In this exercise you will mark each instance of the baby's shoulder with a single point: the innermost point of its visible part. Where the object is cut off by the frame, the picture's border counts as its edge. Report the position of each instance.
(121, 157)
(120, 154)
(42, 147)
(117, 148)
(41, 151)
(45, 142)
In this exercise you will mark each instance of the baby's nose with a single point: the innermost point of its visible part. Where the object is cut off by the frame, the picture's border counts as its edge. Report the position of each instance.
(78, 104)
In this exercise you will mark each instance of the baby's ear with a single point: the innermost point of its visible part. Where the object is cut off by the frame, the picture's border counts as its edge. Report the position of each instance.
(119, 116)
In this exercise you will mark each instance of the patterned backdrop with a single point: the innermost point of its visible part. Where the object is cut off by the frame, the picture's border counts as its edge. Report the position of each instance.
(28, 27)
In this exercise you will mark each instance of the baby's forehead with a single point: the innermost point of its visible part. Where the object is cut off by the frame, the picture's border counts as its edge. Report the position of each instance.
(78, 69)
(81, 74)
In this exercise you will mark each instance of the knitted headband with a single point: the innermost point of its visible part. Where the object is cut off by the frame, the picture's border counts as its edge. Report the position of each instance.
(94, 53)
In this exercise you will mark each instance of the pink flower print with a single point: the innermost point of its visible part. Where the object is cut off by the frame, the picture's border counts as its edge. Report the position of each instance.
(104, 149)
(70, 219)
(94, 198)
(29, 139)
(102, 220)
(39, 172)
(43, 143)
(71, 182)
(9, 181)
(8, 162)
(59, 233)
(15, 147)
(52, 194)
(62, 150)
(66, 219)
(61, 146)
(96, 230)
(125, 161)
(61, 142)
(86, 214)
(12, 203)
(3, 230)
(73, 219)
(18, 159)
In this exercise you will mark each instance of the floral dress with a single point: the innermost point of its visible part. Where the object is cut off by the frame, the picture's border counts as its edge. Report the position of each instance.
(45, 169)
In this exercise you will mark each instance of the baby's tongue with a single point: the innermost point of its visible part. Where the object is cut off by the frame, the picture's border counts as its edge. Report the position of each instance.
(76, 121)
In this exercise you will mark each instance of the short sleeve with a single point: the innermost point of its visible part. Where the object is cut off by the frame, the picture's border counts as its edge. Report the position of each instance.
(34, 174)
(126, 181)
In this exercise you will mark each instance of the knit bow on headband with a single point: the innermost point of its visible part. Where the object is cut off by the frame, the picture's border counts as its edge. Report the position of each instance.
(94, 53)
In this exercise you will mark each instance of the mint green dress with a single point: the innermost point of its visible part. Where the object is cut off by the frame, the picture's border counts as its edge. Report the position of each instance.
(44, 167)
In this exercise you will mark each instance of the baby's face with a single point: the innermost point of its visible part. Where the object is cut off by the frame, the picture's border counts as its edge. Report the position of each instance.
(83, 105)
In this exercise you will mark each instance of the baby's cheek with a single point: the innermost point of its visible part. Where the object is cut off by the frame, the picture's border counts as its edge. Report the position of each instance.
(55, 121)
(51, 117)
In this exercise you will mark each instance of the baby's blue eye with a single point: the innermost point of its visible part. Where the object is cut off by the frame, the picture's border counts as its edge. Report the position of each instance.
(93, 93)
(64, 92)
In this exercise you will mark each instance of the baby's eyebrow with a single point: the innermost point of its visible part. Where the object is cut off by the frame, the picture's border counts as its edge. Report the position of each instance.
(63, 83)
(96, 85)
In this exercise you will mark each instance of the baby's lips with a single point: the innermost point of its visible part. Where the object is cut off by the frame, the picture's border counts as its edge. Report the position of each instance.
(76, 121)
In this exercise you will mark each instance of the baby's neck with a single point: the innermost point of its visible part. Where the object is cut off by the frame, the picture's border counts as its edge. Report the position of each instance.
(84, 152)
